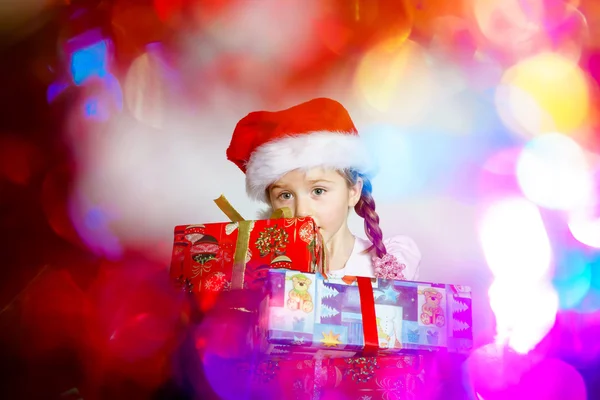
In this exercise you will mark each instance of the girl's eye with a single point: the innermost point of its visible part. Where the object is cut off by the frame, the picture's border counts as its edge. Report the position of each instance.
(319, 191)
(285, 196)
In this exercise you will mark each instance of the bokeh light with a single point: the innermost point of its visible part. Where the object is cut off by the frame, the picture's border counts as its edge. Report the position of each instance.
(567, 29)
(493, 368)
(553, 172)
(585, 228)
(453, 38)
(510, 21)
(93, 224)
(400, 173)
(145, 90)
(240, 28)
(514, 240)
(572, 278)
(394, 78)
(103, 100)
(219, 372)
(590, 304)
(90, 57)
(497, 373)
(525, 312)
(543, 93)
(518, 252)
(395, 162)
(552, 379)
(497, 177)
(349, 26)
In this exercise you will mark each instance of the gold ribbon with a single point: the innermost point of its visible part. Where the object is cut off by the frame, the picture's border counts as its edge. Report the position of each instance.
(239, 258)
(243, 239)
(225, 206)
(284, 212)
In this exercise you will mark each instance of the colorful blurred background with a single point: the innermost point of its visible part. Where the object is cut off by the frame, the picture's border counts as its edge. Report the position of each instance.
(115, 117)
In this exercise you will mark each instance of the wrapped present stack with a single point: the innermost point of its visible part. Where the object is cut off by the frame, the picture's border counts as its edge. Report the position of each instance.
(311, 334)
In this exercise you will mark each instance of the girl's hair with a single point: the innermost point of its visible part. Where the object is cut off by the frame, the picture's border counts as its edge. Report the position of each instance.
(365, 208)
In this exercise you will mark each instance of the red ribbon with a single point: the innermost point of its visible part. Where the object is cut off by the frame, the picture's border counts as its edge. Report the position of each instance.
(367, 308)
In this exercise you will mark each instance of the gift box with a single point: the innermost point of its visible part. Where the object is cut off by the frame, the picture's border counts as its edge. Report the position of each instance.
(309, 316)
(373, 378)
(216, 257)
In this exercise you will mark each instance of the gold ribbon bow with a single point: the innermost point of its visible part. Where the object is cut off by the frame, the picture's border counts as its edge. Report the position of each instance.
(243, 240)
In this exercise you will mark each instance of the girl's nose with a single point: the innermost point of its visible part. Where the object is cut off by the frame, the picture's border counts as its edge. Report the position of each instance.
(302, 208)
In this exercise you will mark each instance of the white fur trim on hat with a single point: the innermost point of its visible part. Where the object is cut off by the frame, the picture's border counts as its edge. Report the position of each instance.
(272, 160)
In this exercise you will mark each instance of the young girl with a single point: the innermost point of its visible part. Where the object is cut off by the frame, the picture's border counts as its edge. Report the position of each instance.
(310, 159)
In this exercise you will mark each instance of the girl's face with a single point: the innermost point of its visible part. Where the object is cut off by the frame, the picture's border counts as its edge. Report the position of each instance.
(323, 194)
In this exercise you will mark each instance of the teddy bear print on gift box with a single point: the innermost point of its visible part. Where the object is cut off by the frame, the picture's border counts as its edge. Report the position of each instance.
(299, 297)
(432, 311)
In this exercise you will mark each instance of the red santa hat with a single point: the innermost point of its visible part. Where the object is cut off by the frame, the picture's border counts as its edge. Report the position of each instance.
(319, 133)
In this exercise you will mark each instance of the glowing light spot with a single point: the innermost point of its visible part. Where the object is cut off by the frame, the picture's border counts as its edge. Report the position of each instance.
(509, 21)
(553, 379)
(572, 279)
(396, 81)
(525, 312)
(591, 302)
(514, 240)
(104, 98)
(89, 61)
(585, 228)
(54, 90)
(95, 219)
(145, 91)
(95, 109)
(543, 93)
(552, 172)
(497, 179)
(492, 368)
(93, 224)
(394, 158)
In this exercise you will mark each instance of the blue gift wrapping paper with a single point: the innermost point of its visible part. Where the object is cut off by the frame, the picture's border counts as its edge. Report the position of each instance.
(310, 316)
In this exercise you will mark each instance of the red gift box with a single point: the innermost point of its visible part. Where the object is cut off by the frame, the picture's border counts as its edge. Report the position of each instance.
(279, 379)
(377, 378)
(374, 378)
(211, 258)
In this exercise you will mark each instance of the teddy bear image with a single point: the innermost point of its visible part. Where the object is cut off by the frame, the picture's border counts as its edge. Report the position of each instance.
(299, 297)
(432, 309)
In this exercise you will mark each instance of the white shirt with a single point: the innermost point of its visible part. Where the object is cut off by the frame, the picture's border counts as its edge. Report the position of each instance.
(402, 247)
